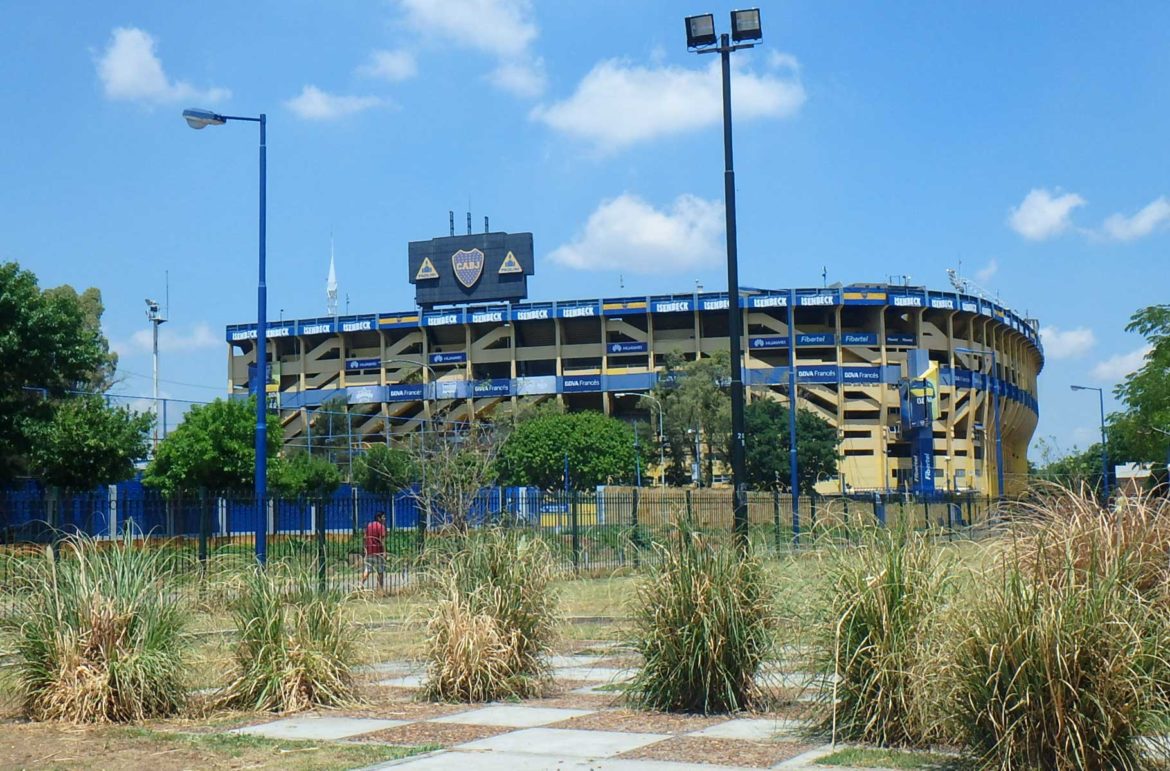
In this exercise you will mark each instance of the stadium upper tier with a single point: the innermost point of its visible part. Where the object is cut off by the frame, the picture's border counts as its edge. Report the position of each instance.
(846, 349)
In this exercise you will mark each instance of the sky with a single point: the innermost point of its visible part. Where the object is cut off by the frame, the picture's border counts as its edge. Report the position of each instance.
(1014, 142)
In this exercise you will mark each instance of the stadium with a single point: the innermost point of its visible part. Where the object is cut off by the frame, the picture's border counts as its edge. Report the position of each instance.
(930, 391)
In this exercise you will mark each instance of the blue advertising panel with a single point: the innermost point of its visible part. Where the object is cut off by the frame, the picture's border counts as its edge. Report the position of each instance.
(488, 316)
(764, 343)
(818, 373)
(358, 325)
(450, 357)
(580, 383)
(364, 394)
(532, 313)
(473, 268)
(817, 299)
(908, 300)
(578, 311)
(859, 338)
(714, 304)
(317, 328)
(671, 306)
(497, 387)
(404, 392)
(816, 338)
(900, 340)
(864, 375)
(768, 301)
(443, 318)
(356, 365)
(944, 302)
(617, 349)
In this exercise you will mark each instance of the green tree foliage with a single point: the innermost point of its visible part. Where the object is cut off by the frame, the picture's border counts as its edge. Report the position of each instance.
(1142, 432)
(1076, 469)
(50, 344)
(600, 451)
(694, 397)
(383, 469)
(88, 443)
(767, 447)
(300, 475)
(212, 449)
(91, 306)
(329, 432)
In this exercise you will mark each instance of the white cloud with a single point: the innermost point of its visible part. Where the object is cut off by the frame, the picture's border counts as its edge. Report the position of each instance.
(618, 104)
(987, 272)
(315, 104)
(1117, 367)
(130, 70)
(171, 339)
(394, 66)
(1067, 343)
(1122, 228)
(1043, 214)
(504, 29)
(626, 233)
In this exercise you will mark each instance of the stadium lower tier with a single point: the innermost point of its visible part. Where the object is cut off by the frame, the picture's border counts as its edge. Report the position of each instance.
(929, 391)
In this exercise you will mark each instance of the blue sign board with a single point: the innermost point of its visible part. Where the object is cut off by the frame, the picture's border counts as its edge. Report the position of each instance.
(404, 392)
(671, 306)
(488, 316)
(900, 340)
(859, 338)
(486, 388)
(317, 328)
(532, 314)
(579, 312)
(354, 365)
(760, 343)
(817, 374)
(820, 299)
(768, 301)
(615, 349)
(714, 304)
(579, 383)
(358, 325)
(442, 318)
(452, 357)
(908, 300)
(818, 338)
(865, 375)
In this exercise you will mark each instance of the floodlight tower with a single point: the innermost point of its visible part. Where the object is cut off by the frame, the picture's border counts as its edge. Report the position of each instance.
(156, 318)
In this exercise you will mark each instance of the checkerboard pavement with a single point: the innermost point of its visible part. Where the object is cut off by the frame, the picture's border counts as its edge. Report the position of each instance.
(524, 736)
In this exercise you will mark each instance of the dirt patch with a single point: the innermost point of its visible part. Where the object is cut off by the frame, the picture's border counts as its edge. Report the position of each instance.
(634, 721)
(442, 734)
(727, 752)
(397, 704)
(561, 696)
(625, 661)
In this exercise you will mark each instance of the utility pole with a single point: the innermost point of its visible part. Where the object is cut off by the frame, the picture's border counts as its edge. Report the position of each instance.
(155, 316)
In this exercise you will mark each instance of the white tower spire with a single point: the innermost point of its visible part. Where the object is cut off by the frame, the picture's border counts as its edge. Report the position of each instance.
(331, 284)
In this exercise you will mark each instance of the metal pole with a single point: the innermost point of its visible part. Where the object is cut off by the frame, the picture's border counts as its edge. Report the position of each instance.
(738, 472)
(793, 470)
(637, 461)
(998, 427)
(154, 348)
(262, 360)
(1104, 447)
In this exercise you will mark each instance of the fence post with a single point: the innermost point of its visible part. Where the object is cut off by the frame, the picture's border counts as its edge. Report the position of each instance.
(926, 510)
(319, 521)
(637, 535)
(690, 512)
(204, 530)
(776, 517)
(573, 499)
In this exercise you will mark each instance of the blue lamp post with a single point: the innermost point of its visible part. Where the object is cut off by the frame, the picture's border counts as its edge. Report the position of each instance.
(199, 119)
(1104, 445)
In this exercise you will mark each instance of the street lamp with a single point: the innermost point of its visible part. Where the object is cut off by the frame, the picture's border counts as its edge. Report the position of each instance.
(1104, 446)
(426, 520)
(745, 26)
(200, 119)
(661, 436)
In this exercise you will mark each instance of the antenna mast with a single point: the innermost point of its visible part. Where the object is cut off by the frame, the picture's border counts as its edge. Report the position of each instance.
(331, 284)
(155, 316)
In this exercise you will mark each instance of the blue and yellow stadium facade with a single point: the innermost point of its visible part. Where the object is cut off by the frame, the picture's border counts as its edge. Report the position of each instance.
(858, 356)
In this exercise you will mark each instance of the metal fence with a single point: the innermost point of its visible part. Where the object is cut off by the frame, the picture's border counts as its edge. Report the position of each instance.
(589, 532)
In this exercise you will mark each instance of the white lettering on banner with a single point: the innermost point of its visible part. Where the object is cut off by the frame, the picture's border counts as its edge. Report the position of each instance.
(820, 299)
(908, 302)
(673, 307)
(539, 313)
(715, 305)
(576, 313)
(450, 318)
(971, 307)
(478, 318)
(356, 326)
(277, 332)
(778, 301)
(942, 302)
(317, 329)
(248, 335)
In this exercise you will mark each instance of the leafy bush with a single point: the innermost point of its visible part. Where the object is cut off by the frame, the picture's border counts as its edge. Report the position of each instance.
(296, 646)
(98, 634)
(1061, 660)
(883, 596)
(703, 622)
(494, 619)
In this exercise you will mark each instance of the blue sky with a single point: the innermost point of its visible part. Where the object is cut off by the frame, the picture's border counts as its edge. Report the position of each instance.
(872, 139)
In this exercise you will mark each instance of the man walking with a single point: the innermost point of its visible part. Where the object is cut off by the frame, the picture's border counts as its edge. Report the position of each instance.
(375, 543)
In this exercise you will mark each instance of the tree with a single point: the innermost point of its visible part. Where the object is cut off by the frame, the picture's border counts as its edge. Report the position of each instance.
(384, 470)
(767, 447)
(454, 465)
(87, 443)
(49, 347)
(329, 430)
(694, 397)
(213, 449)
(1076, 469)
(300, 475)
(600, 450)
(1142, 432)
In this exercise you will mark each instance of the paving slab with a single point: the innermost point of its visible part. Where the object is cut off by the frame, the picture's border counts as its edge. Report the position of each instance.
(405, 681)
(598, 674)
(393, 667)
(512, 716)
(565, 742)
(578, 660)
(600, 689)
(518, 761)
(318, 728)
(753, 729)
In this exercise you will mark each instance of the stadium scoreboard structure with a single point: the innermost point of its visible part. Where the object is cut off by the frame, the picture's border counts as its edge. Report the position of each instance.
(473, 268)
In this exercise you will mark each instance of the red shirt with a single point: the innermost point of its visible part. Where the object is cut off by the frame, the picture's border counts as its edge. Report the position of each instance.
(375, 538)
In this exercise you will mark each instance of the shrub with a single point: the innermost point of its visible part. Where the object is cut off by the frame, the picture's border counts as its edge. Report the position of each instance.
(494, 619)
(884, 593)
(99, 634)
(296, 646)
(703, 622)
(1061, 660)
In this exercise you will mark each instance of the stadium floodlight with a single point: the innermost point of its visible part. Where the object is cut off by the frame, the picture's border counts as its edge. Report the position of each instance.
(745, 25)
(700, 30)
(701, 36)
(1104, 446)
(661, 436)
(200, 119)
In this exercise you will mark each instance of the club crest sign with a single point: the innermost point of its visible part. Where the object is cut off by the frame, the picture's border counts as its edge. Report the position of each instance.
(468, 265)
